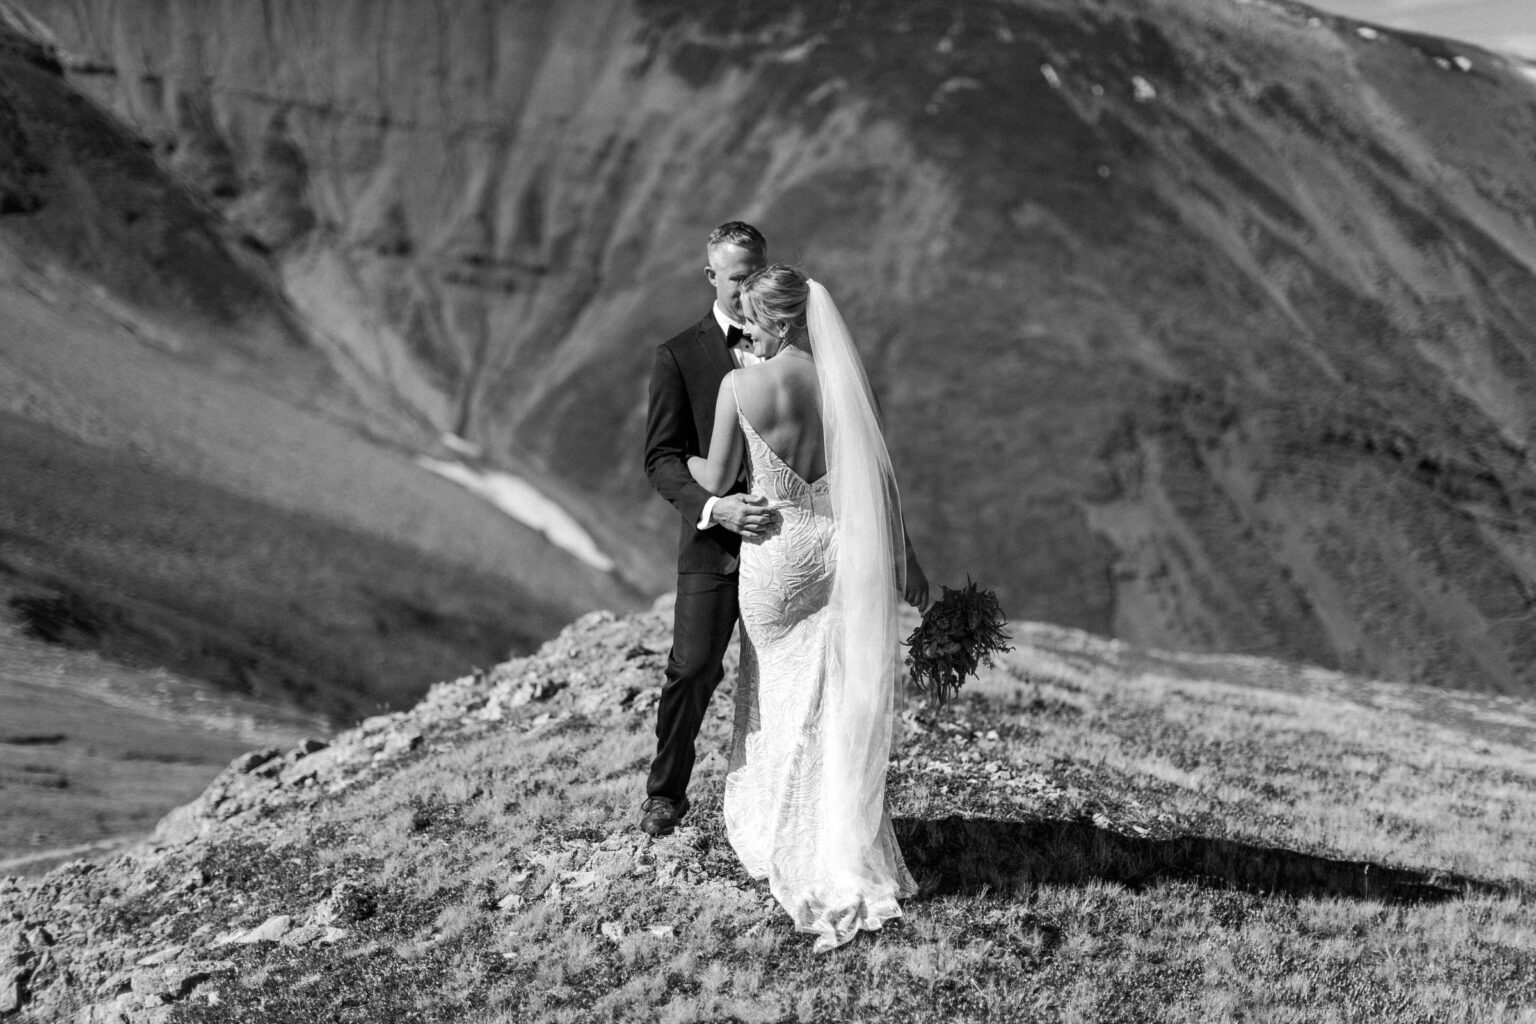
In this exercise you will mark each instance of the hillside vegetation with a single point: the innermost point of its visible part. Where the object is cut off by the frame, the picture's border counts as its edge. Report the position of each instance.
(1102, 833)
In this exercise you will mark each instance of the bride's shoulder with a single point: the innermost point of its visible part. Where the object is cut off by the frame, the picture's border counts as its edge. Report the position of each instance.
(752, 383)
(755, 374)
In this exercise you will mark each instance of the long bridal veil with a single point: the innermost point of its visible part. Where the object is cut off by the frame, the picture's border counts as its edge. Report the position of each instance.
(862, 652)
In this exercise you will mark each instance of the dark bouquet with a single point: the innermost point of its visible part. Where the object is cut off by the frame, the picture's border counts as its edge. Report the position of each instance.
(960, 631)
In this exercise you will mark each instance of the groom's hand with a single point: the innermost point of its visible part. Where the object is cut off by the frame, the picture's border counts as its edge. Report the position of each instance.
(746, 514)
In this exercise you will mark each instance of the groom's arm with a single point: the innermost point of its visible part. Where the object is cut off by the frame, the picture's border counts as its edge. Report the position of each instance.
(668, 430)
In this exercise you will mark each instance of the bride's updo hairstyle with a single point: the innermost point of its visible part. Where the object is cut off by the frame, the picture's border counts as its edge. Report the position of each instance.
(776, 296)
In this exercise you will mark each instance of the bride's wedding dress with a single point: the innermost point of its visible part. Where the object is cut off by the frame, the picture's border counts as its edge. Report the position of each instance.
(804, 797)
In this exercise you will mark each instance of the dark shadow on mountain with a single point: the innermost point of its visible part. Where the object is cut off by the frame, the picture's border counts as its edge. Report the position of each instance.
(967, 854)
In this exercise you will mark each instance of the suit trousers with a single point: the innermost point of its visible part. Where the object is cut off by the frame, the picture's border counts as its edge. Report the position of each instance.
(702, 622)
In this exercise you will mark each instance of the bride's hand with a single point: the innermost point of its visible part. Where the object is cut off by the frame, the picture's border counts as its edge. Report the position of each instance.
(916, 593)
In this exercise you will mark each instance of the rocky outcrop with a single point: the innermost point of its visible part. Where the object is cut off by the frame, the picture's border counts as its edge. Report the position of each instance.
(1208, 326)
(478, 852)
(83, 199)
(598, 668)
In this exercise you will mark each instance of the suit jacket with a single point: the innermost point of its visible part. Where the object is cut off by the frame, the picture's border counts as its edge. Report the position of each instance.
(685, 382)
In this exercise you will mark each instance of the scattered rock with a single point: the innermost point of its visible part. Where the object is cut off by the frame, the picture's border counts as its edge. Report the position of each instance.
(226, 938)
(304, 935)
(150, 983)
(556, 860)
(509, 691)
(12, 989)
(348, 903)
(249, 762)
(270, 930)
(303, 774)
(490, 713)
(16, 957)
(160, 957)
(640, 700)
(183, 978)
(611, 863)
(401, 741)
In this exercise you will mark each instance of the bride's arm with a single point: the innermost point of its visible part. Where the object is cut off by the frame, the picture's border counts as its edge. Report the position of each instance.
(916, 591)
(717, 472)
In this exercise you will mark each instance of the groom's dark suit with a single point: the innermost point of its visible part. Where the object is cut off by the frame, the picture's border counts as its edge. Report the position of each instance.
(685, 382)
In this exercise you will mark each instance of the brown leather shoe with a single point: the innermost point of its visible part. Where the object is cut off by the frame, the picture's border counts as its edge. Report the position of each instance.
(662, 815)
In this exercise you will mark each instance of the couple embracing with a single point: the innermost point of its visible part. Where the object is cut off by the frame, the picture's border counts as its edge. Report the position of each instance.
(764, 435)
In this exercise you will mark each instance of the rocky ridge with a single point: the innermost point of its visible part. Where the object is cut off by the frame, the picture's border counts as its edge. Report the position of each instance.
(413, 867)
(66, 950)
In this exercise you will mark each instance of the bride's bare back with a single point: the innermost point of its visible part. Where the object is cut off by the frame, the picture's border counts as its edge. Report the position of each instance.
(782, 401)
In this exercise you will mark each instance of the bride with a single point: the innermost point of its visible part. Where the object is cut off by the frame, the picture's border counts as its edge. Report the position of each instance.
(805, 793)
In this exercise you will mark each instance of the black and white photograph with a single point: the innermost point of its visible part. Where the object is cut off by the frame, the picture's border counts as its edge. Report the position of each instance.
(667, 512)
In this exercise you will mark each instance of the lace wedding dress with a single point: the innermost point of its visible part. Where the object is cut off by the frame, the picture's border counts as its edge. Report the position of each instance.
(830, 857)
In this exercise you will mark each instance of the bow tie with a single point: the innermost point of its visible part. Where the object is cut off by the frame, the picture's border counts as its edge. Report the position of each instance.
(734, 336)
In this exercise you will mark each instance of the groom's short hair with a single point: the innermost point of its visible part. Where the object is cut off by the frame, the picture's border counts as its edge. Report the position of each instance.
(737, 232)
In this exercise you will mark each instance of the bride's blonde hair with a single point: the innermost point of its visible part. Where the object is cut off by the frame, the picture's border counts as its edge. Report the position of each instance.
(776, 295)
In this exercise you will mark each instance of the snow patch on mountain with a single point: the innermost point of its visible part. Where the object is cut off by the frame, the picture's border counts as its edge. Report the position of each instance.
(523, 502)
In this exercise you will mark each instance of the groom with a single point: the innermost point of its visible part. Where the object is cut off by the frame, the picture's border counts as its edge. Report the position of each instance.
(685, 382)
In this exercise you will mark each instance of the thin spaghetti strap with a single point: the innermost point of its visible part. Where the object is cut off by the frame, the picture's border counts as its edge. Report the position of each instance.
(741, 414)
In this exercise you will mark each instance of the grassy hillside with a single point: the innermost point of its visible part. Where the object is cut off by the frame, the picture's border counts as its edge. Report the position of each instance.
(1102, 833)
(115, 555)
(152, 626)
(92, 752)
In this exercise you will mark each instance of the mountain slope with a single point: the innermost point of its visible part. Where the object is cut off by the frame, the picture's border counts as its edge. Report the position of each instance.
(188, 473)
(93, 753)
(1205, 324)
(1101, 832)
